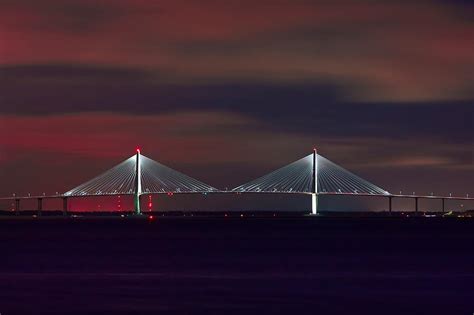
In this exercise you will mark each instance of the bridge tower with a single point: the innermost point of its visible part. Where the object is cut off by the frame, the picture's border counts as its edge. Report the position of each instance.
(138, 183)
(314, 186)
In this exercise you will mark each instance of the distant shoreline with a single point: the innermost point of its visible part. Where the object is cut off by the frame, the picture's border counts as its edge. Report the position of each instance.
(234, 214)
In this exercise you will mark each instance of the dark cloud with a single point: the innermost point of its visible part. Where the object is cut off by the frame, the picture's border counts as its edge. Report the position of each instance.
(306, 108)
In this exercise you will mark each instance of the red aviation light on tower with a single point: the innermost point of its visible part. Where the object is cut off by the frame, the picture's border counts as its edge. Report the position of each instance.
(138, 149)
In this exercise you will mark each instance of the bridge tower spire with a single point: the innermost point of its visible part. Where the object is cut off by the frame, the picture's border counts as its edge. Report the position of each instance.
(314, 186)
(138, 183)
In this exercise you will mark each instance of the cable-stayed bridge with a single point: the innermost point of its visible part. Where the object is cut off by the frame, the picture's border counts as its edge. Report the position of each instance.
(313, 175)
(138, 175)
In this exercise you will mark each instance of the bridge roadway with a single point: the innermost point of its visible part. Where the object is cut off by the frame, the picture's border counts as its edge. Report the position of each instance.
(390, 197)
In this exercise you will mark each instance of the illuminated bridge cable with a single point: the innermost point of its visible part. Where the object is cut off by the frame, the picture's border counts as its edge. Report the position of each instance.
(297, 178)
(155, 178)
(118, 180)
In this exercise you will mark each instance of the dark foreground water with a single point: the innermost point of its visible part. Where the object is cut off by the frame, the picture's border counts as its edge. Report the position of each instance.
(237, 266)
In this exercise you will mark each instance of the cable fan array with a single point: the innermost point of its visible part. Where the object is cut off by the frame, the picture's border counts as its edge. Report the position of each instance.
(297, 178)
(118, 180)
(333, 178)
(158, 178)
(294, 177)
(155, 178)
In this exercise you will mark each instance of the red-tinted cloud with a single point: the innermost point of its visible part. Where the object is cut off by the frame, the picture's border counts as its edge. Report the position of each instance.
(383, 50)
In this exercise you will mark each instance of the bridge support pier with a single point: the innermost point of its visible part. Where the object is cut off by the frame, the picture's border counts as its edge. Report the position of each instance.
(17, 206)
(40, 206)
(416, 205)
(65, 206)
(390, 204)
(136, 201)
(443, 205)
(138, 184)
(314, 204)
(314, 184)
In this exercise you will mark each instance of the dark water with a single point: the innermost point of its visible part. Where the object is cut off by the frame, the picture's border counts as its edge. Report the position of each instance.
(237, 266)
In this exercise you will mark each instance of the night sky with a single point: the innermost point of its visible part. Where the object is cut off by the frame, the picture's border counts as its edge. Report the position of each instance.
(225, 91)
